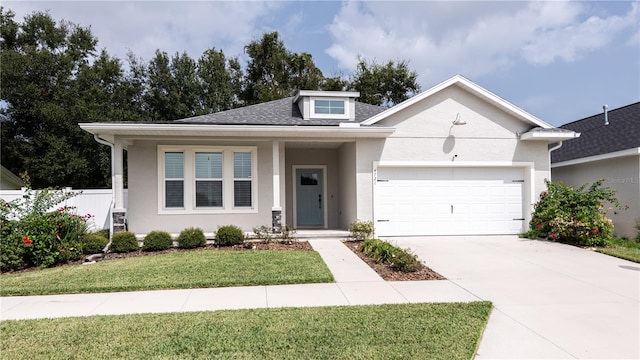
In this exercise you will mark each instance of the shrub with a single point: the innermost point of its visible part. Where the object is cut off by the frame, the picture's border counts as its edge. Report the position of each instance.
(31, 235)
(574, 216)
(229, 235)
(361, 230)
(263, 233)
(288, 235)
(104, 233)
(156, 241)
(191, 238)
(94, 243)
(383, 252)
(123, 242)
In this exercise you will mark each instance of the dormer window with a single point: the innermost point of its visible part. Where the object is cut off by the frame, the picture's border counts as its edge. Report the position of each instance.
(333, 105)
(329, 107)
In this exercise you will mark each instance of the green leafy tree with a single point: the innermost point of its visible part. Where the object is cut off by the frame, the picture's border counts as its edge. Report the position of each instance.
(43, 61)
(384, 85)
(220, 81)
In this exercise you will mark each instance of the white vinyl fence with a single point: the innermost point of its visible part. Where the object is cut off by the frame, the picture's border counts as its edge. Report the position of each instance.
(94, 202)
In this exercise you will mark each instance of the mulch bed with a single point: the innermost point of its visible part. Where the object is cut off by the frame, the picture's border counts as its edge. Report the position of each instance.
(387, 273)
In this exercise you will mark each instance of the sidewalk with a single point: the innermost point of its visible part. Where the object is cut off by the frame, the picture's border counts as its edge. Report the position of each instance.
(356, 284)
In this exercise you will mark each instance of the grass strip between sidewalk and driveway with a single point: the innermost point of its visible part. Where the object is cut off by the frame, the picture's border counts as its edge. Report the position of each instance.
(404, 331)
(183, 270)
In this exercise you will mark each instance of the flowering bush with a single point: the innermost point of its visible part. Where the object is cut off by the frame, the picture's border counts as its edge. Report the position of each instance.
(32, 235)
(573, 215)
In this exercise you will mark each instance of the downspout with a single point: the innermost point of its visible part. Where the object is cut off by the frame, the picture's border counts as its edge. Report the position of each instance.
(113, 191)
(550, 150)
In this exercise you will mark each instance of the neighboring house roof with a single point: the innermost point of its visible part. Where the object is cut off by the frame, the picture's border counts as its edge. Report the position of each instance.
(622, 133)
(9, 180)
(283, 112)
(470, 86)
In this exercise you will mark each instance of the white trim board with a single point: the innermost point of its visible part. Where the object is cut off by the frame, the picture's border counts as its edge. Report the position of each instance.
(611, 155)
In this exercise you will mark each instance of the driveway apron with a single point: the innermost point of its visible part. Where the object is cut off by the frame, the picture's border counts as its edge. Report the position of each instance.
(551, 301)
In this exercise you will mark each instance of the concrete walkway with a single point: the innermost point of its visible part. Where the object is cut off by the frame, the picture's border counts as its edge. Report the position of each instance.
(356, 284)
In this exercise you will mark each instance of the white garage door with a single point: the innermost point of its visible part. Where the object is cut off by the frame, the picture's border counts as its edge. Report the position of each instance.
(448, 201)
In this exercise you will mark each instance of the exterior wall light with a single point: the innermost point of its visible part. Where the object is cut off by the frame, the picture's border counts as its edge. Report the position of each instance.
(459, 121)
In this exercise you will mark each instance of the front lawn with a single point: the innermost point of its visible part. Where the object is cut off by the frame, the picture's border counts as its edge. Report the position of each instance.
(624, 249)
(406, 331)
(183, 270)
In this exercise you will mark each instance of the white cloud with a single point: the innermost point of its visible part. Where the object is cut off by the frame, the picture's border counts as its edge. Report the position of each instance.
(473, 38)
(172, 26)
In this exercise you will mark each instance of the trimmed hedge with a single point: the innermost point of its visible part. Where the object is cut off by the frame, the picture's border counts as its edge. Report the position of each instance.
(229, 235)
(191, 238)
(123, 242)
(94, 243)
(156, 241)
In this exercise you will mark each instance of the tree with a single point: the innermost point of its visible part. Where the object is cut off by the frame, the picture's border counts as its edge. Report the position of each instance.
(220, 81)
(384, 85)
(273, 72)
(53, 88)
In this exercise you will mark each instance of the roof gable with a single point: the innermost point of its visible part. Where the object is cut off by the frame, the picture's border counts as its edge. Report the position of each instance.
(468, 85)
(622, 133)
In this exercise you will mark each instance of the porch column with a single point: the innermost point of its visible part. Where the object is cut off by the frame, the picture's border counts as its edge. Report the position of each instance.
(118, 212)
(276, 209)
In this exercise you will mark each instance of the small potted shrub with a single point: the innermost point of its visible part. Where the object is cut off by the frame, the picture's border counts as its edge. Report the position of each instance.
(157, 241)
(191, 238)
(229, 235)
(123, 242)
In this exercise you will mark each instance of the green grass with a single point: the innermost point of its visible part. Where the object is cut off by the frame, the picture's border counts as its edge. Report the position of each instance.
(624, 249)
(183, 270)
(406, 331)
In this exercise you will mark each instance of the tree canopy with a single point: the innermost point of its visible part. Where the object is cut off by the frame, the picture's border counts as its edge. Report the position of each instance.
(54, 78)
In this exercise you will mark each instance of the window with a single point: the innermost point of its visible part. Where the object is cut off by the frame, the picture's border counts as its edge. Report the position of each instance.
(174, 179)
(242, 179)
(207, 179)
(329, 107)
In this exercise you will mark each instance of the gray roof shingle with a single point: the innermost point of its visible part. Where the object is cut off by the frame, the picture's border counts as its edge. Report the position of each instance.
(281, 112)
(623, 132)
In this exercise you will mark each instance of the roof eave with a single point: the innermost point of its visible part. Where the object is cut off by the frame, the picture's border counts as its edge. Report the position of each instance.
(110, 130)
(600, 157)
(548, 136)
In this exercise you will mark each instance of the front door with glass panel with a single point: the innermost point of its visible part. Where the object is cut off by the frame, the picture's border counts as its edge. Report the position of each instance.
(309, 197)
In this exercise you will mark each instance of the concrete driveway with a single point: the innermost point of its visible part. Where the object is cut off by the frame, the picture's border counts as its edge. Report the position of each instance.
(552, 301)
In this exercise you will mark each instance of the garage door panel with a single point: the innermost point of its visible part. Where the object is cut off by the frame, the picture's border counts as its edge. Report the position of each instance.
(448, 201)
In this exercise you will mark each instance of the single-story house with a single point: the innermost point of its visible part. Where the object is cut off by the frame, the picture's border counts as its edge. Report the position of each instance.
(609, 148)
(9, 180)
(453, 160)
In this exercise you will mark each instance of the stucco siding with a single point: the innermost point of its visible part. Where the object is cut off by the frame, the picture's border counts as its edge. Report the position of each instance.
(328, 157)
(621, 174)
(142, 212)
(347, 197)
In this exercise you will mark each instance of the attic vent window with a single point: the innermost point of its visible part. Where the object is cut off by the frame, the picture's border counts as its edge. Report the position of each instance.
(329, 107)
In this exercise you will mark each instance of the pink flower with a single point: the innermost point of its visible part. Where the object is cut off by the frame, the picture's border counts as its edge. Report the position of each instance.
(539, 226)
(553, 236)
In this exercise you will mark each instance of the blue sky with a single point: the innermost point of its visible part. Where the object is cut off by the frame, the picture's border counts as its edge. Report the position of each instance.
(560, 61)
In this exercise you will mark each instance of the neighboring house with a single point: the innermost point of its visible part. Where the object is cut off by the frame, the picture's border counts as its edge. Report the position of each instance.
(609, 148)
(453, 160)
(9, 181)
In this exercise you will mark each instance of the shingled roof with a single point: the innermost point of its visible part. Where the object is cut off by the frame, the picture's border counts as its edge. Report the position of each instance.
(281, 112)
(622, 133)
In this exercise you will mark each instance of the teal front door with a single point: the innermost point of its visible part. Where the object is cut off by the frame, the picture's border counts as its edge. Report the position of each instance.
(309, 197)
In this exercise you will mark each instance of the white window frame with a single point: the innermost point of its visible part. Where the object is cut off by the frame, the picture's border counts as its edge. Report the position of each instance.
(190, 180)
(330, 116)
